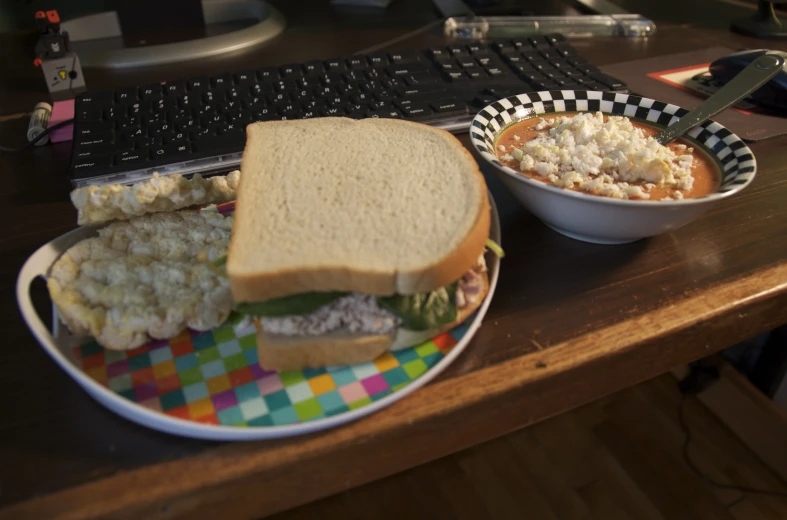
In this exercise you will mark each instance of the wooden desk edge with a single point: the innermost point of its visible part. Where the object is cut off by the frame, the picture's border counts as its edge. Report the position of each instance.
(238, 480)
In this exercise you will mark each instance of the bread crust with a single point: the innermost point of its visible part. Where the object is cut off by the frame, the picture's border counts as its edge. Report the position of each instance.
(339, 348)
(250, 287)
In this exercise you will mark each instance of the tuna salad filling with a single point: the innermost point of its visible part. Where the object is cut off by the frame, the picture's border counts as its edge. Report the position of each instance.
(367, 314)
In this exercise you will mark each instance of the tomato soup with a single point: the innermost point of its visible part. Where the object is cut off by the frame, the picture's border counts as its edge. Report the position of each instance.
(664, 176)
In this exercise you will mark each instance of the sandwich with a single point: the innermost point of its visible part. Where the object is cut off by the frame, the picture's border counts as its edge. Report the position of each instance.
(351, 238)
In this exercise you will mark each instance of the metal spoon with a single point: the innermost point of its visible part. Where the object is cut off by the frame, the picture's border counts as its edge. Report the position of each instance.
(755, 75)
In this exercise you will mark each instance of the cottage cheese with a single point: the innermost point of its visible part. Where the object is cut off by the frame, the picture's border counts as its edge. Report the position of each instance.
(612, 158)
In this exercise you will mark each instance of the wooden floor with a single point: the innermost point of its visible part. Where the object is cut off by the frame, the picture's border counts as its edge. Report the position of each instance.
(615, 459)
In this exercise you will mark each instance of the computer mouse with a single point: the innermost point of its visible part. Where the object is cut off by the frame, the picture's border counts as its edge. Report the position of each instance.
(772, 96)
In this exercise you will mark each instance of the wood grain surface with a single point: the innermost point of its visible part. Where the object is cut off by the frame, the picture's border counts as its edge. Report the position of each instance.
(619, 457)
(570, 322)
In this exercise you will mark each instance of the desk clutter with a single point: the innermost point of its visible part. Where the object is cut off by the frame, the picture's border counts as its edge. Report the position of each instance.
(684, 79)
(197, 124)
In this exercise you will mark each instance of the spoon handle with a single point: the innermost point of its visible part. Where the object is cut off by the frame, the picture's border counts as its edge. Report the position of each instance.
(756, 74)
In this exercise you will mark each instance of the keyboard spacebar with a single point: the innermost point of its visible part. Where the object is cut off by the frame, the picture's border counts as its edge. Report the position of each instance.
(219, 144)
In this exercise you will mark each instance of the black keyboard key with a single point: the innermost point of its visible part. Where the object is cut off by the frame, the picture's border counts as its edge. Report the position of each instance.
(335, 66)
(313, 68)
(198, 85)
(378, 59)
(202, 133)
(186, 124)
(607, 80)
(128, 122)
(595, 85)
(95, 99)
(175, 137)
(291, 71)
(131, 157)
(94, 139)
(420, 90)
(520, 43)
(133, 133)
(277, 98)
(221, 81)
(423, 78)
(555, 38)
(265, 114)
(476, 74)
(416, 110)
(457, 50)
(170, 151)
(245, 79)
(565, 50)
(126, 95)
(92, 162)
(407, 69)
(205, 110)
(448, 106)
(212, 121)
(174, 89)
(514, 59)
(162, 105)
(466, 62)
(476, 48)
(238, 93)
(524, 68)
(384, 114)
(229, 106)
(446, 64)
(437, 53)
(531, 76)
(358, 63)
(495, 71)
(160, 128)
(549, 54)
(531, 55)
(457, 77)
(151, 93)
(89, 113)
(483, 100)
(361, 97)
(545, 84)
(268, 73)
(153, 118)
(333, 112)
(487, 61)
(175, 114)
(398, 58)
(503, 48)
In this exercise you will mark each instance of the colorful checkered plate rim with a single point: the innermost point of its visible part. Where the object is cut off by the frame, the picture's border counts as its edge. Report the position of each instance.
(209, 385)
(214, 378)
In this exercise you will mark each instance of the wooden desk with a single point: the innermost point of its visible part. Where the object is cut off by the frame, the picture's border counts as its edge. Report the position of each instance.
(570, 322)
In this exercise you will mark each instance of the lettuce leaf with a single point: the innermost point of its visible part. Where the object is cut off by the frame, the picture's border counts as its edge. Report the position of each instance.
(423, 311)
(294, 305)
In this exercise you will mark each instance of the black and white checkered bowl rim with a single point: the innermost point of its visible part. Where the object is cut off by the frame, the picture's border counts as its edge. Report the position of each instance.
(733, 156)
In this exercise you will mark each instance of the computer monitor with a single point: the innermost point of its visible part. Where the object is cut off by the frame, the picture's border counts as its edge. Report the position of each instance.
(143, 33)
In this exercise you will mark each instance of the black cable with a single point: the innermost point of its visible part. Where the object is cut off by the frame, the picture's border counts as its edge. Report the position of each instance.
(700, 474)
(37, 138)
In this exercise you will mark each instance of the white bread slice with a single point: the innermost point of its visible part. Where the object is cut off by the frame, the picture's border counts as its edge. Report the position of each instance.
(375, 206)
(339, 348)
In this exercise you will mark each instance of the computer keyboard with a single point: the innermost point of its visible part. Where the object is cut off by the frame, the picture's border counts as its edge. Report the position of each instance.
(197, 125)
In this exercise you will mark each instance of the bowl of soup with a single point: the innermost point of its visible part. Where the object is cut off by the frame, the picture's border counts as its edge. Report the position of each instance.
(586, 163)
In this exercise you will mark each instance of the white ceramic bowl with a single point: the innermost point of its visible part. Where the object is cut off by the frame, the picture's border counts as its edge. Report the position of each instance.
(605, 220)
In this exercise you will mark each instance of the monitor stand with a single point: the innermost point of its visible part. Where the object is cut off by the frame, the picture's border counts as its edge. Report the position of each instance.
(98, 40)
(765, 24)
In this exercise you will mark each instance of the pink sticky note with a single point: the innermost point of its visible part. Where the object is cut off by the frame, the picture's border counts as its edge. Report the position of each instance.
(61, 111)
